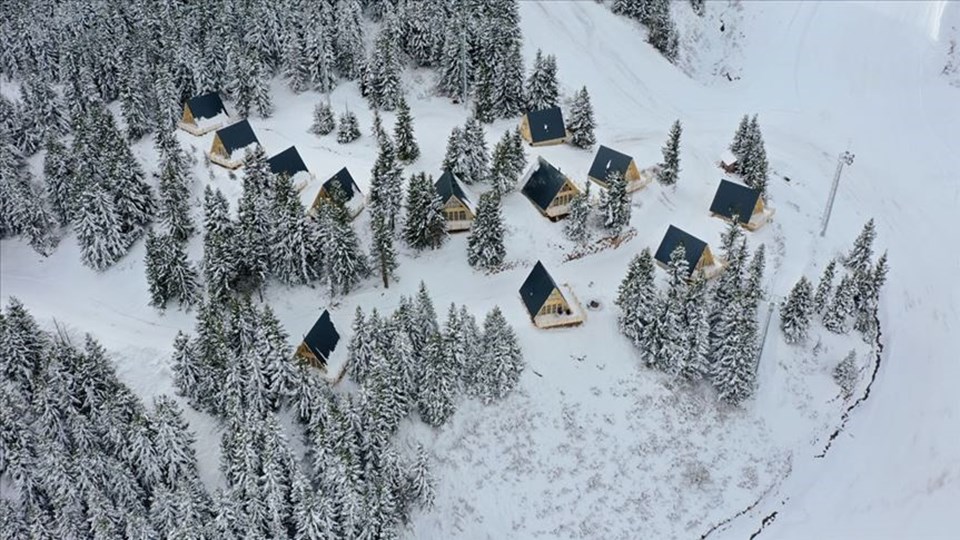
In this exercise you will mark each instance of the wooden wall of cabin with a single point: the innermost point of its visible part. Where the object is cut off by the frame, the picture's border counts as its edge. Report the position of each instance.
(218, 148)
(565, 195)
(455, 210)
(187, 115)
(525, 129)
(555, 304)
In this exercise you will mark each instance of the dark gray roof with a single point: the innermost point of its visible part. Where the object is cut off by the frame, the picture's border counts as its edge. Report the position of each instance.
(449, 185)
(608, 160)
(546, 124)
(206, 106)
(236, 136)
(543, 184)
(322, 339)
(287, 162)
(349, 187)
(536, 289)
(734, 199)
(693, 247)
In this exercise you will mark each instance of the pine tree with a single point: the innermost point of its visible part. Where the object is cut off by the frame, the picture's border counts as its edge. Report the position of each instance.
(637, 297)
(386, 184)
(581, 122)
(739, 144)
(504, 172)
(455, 158)
(862, 253)
(220, 262)
(98, 230)
(845, 374)
(291, 250)
(485, 249)
(670, 168)
(382, 78)
(694, 362)
(349, 129)
(407, 148)
(841, 308)
(824, 288)
(475, 154)
(169, 274)
(382, 253)
(662, 30)
(734, 366)
(502, 361)
(542, 90)
(577, 225)
(795, 313)
(57, 179)
(323, 121)
(174, 211)
(663, 342)
(752, 165)
(456, 64)
(868, 297)
(753, 285)
(348, 43)
(435, 400)
(425, 225)
(344, 261)
(614, 207)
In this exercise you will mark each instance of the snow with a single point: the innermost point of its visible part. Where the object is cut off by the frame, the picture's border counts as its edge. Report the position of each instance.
(591, 444)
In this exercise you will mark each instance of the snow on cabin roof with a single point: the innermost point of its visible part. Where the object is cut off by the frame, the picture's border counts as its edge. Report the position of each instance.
(448, 185)
(546, 124)
(287, 163)
(543, 184)
(238, 136)
(347, 184)
(608, 160)
(693, 247)
(322, 339)
(537, 288)
(206, 106)
(734, 199)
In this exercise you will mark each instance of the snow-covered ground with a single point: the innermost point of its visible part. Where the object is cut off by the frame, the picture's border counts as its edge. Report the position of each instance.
(592, 445)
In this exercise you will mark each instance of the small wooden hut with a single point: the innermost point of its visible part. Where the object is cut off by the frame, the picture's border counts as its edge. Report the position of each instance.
(289, 164)
(728, 162)
(353, 198)
(546, 304)
(202, 114)
(609, 161)
(544, 127)
(741, 203)
(697, 253)
(458, 209)
(319, 343)
(231, 144)
(549, 189)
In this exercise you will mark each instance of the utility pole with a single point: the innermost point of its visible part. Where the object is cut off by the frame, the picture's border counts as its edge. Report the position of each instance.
(766, 328)
(846, 158)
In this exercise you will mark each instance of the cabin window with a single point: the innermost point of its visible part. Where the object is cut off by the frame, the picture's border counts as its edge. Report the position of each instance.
(456, 215)
(563, 199)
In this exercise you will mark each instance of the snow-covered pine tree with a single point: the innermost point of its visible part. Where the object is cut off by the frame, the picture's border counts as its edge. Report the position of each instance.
(485, 249)
(699, 6)
(502, 360)
(219, 256)
(57, 178)
(384, 88)
(734, 367)
(296, 58)
(581, 123)
(320, 49)
(508, 76)
(484, 103)
(98, 230)
(637, 297)
(577, 225)
(862, 253)
(134, 101)
(518, 153)
(407, 148)
(386, 184)
(323, 121)
(663, 342)
(841, 308)
(614, 208)
(670, 167)
(174, 211)
(360, 351)
(382, 253)
(542, 90)
(868, 298)
(291, 248)
(476, 156)
(753, 284)
(796, 311)
(845, 374)
(169, 274)
(752, 165)
(438, 384)
(503, 175)
(349, 129)
(662, 30)
(348, 43)
(824, 288)
(345, 263)
(455, 158)
(253, 226)
(425, 225)
(738, 146)
(456, 63)
(729, 288)
(695, 362)
(419, 480)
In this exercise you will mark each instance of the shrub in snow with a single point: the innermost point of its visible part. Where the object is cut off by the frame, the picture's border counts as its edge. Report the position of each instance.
(349, 129)
(323, 120)
(845, 374)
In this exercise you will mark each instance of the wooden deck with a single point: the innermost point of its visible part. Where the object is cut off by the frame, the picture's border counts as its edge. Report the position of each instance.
(576, 318)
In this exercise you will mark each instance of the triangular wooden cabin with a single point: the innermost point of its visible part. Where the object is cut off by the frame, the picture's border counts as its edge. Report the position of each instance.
(202, 114)
(544, 127)
(319, 343)
(728, 162)
(549, 189)
(696, 252)
(231, 144)
(608, 161)
(458, 209)
(354, 197)
(546, 303)
(736, 201)
(289, 163)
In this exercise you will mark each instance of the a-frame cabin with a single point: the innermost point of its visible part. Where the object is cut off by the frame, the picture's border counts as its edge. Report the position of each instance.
(608, 161)
(353, 198)
(544, 127)
(289, 164)
(743, 203)
(319, 343)
(458, 209)
(231, 144)
(549, 189)
(546, 304)
(203, 114)
(697, 253)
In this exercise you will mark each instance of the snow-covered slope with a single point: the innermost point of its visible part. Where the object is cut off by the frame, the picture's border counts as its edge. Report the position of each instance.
(592, 445)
